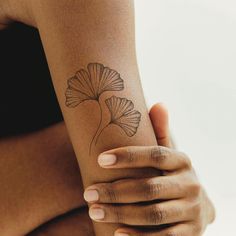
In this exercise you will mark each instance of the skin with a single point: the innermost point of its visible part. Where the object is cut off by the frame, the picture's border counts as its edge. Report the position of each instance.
(74, 223)
(66, 47)
(45, 154)
(66, 25)
(196, 204)
(41, 165)
(181, 200)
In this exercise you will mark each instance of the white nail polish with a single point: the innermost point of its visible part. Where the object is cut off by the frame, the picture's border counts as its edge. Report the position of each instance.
(91, 195)
(96, 213)
(106, 159)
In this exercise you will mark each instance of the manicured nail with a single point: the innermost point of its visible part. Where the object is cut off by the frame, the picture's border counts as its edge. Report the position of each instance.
(96, 213)
(121, 234)
(106, 159)
(91, 195)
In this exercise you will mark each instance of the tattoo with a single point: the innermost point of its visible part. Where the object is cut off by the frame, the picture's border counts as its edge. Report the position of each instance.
(90, 84)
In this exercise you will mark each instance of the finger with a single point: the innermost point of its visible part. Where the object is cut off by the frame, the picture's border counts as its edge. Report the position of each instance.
(138, 190)
(155, 214)
(179, 229)
(158, 157)
(160, 122)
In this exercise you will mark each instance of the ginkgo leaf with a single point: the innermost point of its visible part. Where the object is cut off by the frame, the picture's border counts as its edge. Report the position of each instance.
(123, 115)
(90, 84)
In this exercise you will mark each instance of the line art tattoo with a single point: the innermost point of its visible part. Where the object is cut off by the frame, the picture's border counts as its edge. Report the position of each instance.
(123, 115)
(90, 84)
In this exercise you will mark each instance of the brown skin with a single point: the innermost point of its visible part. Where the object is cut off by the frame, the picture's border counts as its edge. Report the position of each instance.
(196, 204)
(39, 179)
(184, 202)
(63, 43)
(38, 158)
(74, 34)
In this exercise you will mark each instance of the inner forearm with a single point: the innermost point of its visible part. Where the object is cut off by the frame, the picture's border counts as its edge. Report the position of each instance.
(91, 53)
(92, 39)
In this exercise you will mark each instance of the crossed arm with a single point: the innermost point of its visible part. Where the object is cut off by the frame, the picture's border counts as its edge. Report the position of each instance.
(90, 50)
(95, 74)
(173, 204)
(59, 190)
(91, 54)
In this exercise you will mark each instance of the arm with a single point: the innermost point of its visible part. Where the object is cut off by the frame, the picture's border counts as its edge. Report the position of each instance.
(183, 207)
(74, 34)
(41, 165)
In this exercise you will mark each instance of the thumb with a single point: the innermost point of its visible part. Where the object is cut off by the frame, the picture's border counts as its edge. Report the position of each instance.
(160, 122)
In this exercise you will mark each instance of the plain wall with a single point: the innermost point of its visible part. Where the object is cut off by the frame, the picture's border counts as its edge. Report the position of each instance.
(187, 59)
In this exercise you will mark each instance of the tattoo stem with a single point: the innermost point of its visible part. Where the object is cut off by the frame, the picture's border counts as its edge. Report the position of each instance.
(99, 126)
(101, 133)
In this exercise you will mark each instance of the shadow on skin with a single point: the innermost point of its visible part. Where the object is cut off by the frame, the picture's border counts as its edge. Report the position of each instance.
(73, 223)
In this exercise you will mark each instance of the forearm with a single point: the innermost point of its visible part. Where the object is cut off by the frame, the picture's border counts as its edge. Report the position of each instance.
(39, 180)
(74, 34)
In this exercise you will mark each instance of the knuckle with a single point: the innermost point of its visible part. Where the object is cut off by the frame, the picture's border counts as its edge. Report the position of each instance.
(130, 155)
(195, 189)
(198, 229)
(186, 160)
(158, 155)
(197, 210)
(177, 212)
(156, 215)
(153, 190)
(109, 193)
(118, 215)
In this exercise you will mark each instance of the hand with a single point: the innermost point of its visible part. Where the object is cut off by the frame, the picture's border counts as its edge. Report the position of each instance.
(183, 207)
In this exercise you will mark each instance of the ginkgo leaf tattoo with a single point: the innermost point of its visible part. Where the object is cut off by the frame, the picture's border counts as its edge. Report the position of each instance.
(122, 115)
(90, 84)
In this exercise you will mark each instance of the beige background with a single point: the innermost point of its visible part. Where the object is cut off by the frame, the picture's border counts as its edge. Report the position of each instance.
(187, 57)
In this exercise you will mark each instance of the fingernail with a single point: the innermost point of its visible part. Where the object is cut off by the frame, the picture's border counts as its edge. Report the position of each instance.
(106, 159)
(91, 195)
(121, 234)
(96, 213)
